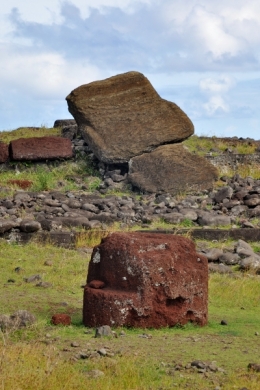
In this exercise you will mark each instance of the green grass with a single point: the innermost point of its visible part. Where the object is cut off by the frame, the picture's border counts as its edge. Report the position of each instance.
(252, 170)
(61, 176)
(204, 145)
(28, 358)
(27, 132)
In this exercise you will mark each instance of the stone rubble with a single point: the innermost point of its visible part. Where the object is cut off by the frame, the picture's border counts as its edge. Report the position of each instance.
(230, 206)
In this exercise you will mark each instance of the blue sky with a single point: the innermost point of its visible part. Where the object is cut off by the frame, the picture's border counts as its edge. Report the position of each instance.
(203, 55)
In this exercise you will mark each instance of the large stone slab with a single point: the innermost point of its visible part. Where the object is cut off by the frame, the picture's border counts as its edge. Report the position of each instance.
(41, 148)
(4, 153)
(171, 168)
(123, 116)
(146, 280)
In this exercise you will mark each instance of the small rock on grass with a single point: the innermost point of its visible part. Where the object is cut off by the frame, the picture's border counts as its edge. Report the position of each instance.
(33, 278)
(74, 344)
(95, 373)
(104, 330)
(102, 352)
(254, 367)
(223, 322)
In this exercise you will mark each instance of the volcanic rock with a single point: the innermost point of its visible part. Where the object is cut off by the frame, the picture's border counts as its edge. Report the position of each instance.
(41, 148)
(171, 168)
(151, 280)
(123, 116)
(4, 153)
(64, 122)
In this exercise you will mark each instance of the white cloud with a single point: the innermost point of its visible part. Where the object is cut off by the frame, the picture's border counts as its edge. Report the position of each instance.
(44, 75)
(216, 89)
(218, 85)
(197, 52)
(216, 104)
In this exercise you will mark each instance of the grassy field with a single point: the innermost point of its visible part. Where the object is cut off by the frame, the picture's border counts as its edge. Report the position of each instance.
(42, 357)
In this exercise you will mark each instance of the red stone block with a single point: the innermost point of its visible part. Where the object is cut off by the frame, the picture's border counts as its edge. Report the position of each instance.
(151, 280)
(42, 148)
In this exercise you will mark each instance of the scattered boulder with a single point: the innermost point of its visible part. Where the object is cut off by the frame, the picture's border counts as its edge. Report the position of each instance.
(151, 280)
(41, 148)
(254, 367)
(224, 193)
(4, 152)
(64, 122)
(213, 254)
(250, 262)
(123, 116)
(70, 132)
(17, 320)
(211, 219)
(29, 226)
(171, 168)
(6, 225)
(104, 331)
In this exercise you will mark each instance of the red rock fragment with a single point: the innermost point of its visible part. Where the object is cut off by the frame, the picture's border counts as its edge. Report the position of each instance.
(97, 284)
(61, 319)
(24, 184)
(151, 280)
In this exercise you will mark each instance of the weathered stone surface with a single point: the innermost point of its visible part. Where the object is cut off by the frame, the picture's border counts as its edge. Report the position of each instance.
(171, 168)
(210, 219)
(213, 254)
(41, 148)
(17, 320)
(123, 116)
(103, 331)
(29, 226)
(224, 193)
(6, 225)
(64, 122)
(151, 280)
(4, 153)
(70, 132)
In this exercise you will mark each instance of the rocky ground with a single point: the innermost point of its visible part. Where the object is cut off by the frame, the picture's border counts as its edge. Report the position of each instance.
(236, 205)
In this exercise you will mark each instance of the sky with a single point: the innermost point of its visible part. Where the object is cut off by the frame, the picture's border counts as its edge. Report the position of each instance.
(202, 55)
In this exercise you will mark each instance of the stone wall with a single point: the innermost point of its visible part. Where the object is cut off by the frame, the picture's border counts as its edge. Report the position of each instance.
(231, 161)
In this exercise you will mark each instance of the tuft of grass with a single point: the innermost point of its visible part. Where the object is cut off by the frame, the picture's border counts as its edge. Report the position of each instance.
(93, 183)
(44, 180)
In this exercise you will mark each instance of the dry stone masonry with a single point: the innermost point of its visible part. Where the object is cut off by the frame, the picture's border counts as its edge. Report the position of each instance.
(146, 280)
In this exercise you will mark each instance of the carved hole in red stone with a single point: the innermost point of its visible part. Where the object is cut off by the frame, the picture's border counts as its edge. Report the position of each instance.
(176, 302)
(190, 316)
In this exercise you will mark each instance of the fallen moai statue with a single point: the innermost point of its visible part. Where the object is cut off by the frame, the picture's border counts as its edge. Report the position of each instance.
(126, 123)
(146, 280)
